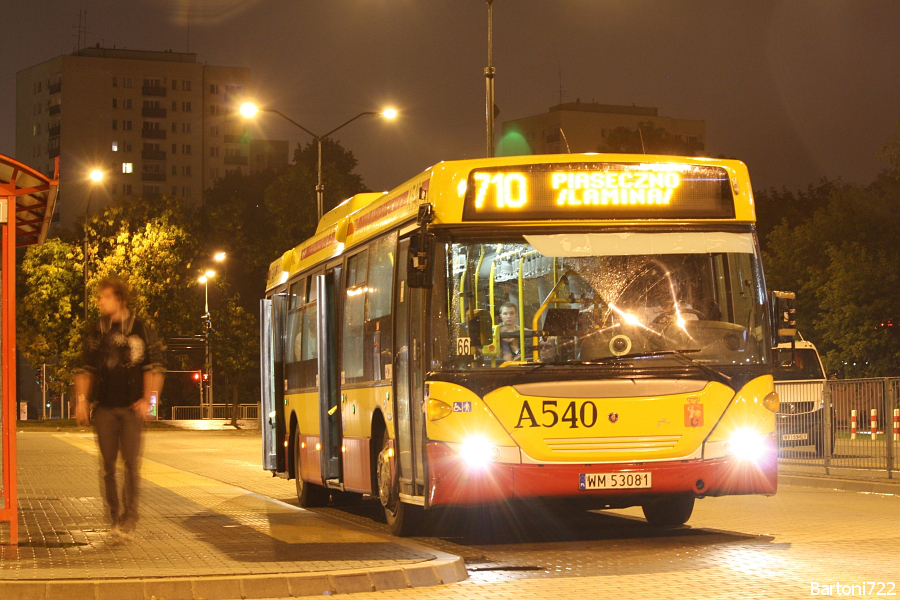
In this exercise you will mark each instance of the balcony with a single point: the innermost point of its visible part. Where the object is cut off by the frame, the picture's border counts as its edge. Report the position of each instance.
(234, 139)
(153, 176)
(235, 160)
(153, 134)
(55, 88)
(153, 154)
(53, 131)
(54, 110)
(153, 90)
(153, 113)
(54, 152)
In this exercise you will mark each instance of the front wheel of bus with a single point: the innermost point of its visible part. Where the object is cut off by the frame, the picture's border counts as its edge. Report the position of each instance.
(669, 512)
(400, 517)
(309, 494)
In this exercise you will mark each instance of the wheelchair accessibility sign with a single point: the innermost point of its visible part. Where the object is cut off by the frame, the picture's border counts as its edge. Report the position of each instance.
(462, 407)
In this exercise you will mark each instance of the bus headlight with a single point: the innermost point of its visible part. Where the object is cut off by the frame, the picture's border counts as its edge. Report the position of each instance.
(478, 452)
(746, 444)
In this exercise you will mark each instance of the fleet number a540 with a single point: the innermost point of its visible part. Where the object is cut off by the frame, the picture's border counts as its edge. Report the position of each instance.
(553, 412)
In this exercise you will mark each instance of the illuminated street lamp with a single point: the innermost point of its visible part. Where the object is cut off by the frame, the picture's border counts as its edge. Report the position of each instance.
(249, 110)
(207, 321)
(96, 176)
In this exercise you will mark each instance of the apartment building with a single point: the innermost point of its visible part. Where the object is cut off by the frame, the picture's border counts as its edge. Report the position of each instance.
(584, 127)
(155, 123)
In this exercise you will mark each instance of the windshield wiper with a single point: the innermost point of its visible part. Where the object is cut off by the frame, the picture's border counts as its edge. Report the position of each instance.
(682, 355)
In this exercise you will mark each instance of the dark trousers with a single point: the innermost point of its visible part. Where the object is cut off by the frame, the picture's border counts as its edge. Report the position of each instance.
(119, 430)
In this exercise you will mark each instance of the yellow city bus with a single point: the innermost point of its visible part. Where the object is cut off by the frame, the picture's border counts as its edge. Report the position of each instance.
(591, 326)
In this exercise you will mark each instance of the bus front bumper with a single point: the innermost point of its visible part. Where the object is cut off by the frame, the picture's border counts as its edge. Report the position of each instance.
(455, 482)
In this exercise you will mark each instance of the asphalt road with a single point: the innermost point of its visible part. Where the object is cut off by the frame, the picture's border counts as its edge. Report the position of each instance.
(789, 545)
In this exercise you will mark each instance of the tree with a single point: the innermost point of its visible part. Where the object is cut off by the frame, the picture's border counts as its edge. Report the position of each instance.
(236, 339)
(841, 262)
(648, 139)
(49, 318)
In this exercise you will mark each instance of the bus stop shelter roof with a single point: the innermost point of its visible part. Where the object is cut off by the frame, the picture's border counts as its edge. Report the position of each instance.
(35, 199)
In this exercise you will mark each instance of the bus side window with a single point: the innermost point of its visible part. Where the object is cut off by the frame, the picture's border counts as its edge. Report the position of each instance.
(378, 324)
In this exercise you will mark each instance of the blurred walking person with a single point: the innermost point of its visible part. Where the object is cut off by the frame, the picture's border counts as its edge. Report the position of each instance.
(121, 369)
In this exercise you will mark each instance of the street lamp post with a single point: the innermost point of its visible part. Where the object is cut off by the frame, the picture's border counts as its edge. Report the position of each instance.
(249, 110)
(96, 177)
(207, 399)
(489, 81)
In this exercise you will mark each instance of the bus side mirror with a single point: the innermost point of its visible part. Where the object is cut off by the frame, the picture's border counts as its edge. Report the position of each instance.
(420, 261)
(784, 316)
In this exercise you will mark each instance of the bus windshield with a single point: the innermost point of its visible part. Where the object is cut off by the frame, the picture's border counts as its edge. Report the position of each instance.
(580, 298)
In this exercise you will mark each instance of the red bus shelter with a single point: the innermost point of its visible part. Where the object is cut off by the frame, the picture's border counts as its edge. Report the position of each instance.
(27, 200)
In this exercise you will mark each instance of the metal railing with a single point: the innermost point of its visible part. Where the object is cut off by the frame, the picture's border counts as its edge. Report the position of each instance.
(840, 426)
(219, 411)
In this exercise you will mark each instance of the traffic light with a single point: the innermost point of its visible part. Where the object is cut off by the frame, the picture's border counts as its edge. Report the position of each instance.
(890, 324)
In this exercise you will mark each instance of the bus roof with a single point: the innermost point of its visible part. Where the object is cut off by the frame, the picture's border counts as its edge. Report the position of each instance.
(547, 190)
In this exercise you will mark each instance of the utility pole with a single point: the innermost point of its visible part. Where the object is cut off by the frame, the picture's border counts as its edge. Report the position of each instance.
(489, 82)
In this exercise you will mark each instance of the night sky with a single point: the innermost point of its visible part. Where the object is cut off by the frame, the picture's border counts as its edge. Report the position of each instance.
(798, 89)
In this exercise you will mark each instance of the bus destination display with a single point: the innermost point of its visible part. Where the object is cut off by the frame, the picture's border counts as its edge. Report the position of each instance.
(598, 191)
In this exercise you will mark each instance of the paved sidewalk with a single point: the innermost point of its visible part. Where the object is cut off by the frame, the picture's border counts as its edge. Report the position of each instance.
(197, 538)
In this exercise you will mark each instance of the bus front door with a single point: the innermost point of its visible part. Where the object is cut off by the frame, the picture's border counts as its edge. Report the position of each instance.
(329, 372)
(271, 320)
(409, 373)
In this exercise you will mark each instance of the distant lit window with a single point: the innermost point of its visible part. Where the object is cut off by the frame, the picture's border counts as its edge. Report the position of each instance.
(128, 167)
(36, 130)
(115, 146)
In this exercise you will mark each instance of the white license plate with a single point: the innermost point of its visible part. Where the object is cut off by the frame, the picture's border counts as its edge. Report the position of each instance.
(614, 481)
(790, 437)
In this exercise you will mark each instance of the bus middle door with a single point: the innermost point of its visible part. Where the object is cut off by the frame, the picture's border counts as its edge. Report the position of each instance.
(329, 377)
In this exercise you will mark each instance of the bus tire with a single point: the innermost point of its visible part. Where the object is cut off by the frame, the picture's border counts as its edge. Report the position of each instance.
(669, 512)
(309, 495)
(402, 519)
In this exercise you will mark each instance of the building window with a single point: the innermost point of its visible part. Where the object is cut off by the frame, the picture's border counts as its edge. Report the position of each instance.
(186, 170)
(186, 192)
(174, 170)
(214, 152)
(115, 189)
(36, 151)
(128, 167)
(185, 128)
(115, 102)
(36, 130)
(126, 189)
(213, 88)
(174, 148)
(126, 103)
(174, 84)
(213, 109)
(174, 106)
(214, 174)
(115, 123)
(37, 108)
(127, 125)
(115, 146)
(186, 85)
(174, 127)
(186, 106)
(185, 148)
(115, 82)
(214, 131)
(37, 87)
(127, 146)
(127, 82)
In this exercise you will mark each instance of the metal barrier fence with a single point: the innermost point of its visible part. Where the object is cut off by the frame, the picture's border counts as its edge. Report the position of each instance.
(852, 424)
(219, 411)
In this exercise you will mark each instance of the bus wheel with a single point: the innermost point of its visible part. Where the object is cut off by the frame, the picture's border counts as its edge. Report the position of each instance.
(400, 517)
(669, 512)
(309, 494)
